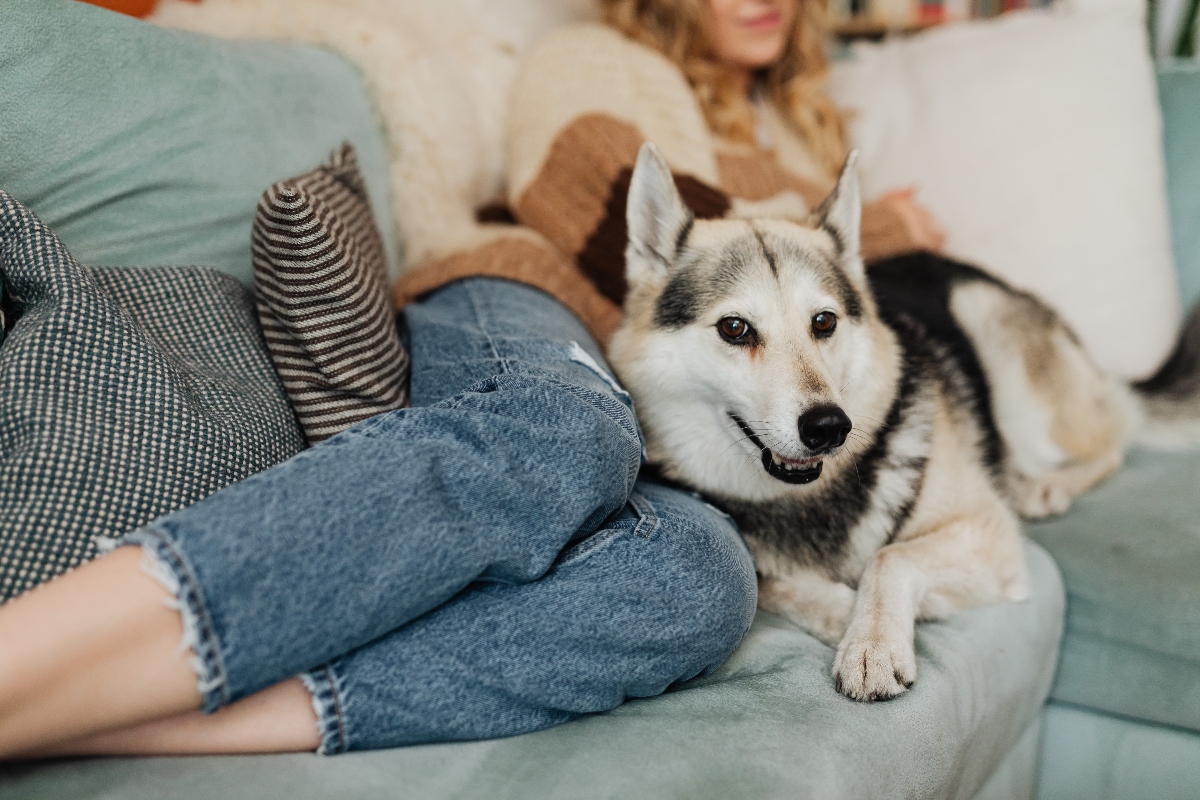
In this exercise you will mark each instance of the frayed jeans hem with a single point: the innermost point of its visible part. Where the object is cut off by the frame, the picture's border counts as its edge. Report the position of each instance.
(165, 564)
(322, 683)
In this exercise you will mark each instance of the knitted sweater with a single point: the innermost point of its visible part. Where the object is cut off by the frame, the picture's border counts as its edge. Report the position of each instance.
(585, 100)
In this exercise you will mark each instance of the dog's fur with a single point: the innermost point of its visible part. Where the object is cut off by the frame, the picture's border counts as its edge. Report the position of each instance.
(965, 402)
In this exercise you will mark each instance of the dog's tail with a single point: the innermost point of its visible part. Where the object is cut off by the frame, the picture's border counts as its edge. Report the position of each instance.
(1167, 404)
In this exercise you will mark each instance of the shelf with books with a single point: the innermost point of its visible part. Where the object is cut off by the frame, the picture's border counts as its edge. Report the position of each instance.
(874, 19)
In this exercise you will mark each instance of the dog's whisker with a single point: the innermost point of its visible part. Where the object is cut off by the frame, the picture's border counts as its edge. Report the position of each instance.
(854, 461)
(852, 380)
(737, 442)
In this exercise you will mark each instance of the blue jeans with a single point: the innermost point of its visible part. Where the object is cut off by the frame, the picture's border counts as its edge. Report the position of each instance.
(482, 564)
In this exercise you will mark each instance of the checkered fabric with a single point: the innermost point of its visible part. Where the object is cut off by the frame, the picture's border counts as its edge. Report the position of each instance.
(124, 394)
(323, 301)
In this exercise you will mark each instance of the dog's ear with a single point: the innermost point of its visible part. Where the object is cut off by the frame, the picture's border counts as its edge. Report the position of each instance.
(841, 216)
(656, 217)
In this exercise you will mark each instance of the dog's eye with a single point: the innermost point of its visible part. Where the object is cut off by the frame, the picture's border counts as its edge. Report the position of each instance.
(824, 323)
(736, 330)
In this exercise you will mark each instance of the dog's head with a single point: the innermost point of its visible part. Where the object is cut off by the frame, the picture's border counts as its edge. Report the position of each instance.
(752, 347)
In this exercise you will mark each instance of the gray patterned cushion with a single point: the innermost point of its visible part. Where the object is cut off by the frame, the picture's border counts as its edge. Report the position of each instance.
(124, 394)
(323, 302)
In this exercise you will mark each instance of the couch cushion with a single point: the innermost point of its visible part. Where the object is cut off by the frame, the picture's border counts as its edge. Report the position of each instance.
(1129, 553)
(1091, 756)
(1035, 139)
(124, 394)
(1179, 93)
(767, 724)
(143, 146)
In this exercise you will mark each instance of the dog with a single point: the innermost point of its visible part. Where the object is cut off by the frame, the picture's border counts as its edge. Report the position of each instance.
(874, 434)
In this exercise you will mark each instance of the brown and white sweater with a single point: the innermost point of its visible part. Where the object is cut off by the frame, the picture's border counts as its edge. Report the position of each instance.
(585, 100)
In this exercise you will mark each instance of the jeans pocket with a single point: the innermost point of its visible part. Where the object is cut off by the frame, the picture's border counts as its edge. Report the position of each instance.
(638, 519)
(647, 515)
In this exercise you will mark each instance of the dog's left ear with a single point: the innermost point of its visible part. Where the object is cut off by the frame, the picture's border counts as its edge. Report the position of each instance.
(841, 216)
(656, 217)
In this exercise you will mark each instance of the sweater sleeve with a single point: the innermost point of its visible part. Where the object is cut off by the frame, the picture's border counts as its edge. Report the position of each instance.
(577, 199)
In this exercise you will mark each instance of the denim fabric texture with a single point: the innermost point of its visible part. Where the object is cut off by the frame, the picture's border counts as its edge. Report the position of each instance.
(481, 564)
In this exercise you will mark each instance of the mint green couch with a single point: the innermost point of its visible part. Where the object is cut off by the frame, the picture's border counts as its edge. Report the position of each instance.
(143, 146)
(1123, 721)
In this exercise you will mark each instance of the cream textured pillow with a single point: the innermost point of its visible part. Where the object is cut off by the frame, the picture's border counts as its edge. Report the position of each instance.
(1036, 140)
(439, 72)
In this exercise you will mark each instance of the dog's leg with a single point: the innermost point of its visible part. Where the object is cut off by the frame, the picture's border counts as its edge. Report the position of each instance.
(812, 600)
(1052, 493)
(966, 562)
(1061, 418)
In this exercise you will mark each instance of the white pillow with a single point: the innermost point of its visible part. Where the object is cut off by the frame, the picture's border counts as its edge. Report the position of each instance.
(1036, 140)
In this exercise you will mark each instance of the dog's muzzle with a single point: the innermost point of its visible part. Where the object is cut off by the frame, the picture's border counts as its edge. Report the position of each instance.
(787, 470)
(791, 471)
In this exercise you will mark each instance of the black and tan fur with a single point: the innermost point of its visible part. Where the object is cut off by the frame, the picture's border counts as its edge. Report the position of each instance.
(876, 468)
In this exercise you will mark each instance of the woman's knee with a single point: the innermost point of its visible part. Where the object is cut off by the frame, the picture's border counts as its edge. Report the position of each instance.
(565, 427)
(701, 587)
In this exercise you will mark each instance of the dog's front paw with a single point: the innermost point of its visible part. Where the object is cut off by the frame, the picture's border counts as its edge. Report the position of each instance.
(871, 667)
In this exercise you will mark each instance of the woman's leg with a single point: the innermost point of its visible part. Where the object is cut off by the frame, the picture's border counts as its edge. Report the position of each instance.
(524, 445)
(280, 719)
(662, 592)
(63, 644)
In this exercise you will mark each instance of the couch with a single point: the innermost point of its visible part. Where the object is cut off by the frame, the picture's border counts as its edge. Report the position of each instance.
(142, 147)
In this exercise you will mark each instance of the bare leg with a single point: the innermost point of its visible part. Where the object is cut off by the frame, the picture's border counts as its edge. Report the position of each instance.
(92, 651)
(276, 720)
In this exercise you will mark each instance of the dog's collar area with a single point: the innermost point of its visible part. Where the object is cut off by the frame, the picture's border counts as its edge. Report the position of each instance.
(786, 470)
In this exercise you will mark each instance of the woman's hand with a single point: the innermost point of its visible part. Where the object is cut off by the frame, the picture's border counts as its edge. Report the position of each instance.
(922, 228)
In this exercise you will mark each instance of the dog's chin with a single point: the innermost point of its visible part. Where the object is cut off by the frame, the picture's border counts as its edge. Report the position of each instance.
(788, 470)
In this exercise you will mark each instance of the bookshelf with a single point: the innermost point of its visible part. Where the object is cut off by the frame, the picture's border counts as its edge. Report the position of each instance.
(1176, 36)
(874, 19)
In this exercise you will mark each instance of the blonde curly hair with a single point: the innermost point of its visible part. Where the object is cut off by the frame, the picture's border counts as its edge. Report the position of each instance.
(680, 30)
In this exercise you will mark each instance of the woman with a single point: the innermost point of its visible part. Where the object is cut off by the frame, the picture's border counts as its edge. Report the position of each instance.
(486, 562)
(729, 90)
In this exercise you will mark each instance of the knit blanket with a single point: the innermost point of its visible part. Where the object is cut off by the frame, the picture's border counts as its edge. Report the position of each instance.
(125, 393)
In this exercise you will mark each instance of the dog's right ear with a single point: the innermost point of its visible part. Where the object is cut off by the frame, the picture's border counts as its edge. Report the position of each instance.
(657, 219)
(841, 217)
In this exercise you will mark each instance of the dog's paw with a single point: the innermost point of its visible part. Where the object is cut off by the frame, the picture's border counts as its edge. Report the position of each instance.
(869, 668)
(1037, 498)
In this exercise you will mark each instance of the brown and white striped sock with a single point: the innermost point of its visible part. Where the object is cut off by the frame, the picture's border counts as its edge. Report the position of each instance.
(321, 280)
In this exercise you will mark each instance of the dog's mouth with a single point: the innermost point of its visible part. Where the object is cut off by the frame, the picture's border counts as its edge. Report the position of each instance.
(788, 470)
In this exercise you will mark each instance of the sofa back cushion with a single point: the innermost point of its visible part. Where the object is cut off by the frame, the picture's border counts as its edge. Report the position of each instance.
(141, 145)
(1035, 139)
(1179, 92)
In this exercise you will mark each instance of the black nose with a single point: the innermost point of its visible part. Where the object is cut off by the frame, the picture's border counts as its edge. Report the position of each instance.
(824, 427)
